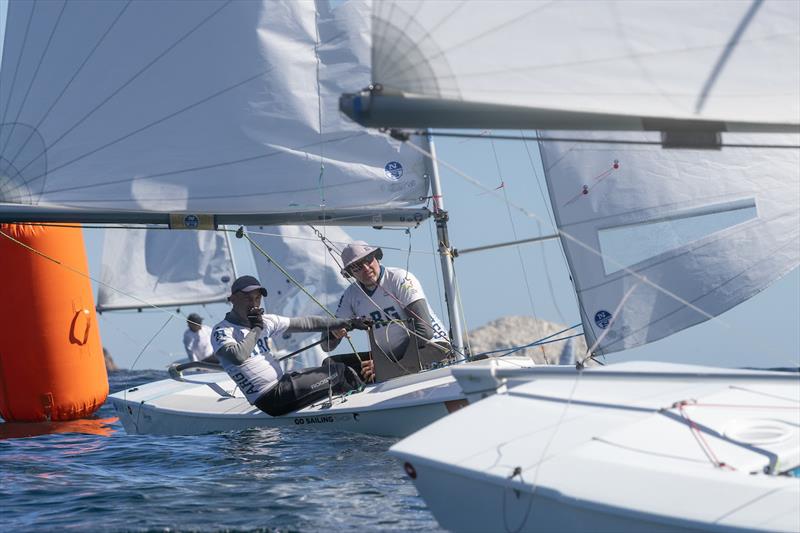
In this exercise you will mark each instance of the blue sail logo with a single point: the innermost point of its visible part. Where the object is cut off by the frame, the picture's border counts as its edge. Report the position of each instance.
(602, 318)
(393, 170)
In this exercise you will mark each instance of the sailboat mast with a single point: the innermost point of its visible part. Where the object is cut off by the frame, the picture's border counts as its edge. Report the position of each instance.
(445, 253)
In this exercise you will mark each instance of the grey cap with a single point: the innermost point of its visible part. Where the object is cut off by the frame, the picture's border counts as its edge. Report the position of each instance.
(194, 317)
(247, 284)
(356, 251)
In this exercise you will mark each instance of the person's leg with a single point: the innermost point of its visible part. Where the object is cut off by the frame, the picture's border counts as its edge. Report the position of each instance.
(350, 359)
(296, 390)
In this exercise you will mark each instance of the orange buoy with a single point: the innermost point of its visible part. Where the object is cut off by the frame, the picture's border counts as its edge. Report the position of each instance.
(51, 359)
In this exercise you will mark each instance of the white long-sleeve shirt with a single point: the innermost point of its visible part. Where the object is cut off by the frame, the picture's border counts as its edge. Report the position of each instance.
(198, 343)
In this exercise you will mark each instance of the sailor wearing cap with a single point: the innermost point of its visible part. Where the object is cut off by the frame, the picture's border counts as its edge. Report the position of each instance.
(197, 340)
(240, 342)
(387, 296)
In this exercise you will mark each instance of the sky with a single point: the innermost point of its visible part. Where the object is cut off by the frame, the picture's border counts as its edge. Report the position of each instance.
(529, 279)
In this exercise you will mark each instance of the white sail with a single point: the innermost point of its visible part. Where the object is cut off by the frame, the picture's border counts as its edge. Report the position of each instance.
(142, 268)
(192, 107)
(714, 60)
(709, 228)
(307, 260)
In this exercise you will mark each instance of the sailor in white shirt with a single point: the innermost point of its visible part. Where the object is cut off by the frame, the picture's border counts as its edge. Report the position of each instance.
(197, 340)
(388, 297)
(240, 342)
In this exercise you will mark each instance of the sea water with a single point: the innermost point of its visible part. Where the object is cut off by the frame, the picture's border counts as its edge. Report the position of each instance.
(91, 475)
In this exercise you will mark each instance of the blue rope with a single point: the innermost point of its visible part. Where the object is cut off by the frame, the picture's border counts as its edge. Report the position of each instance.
(539, 342)
(518, 348)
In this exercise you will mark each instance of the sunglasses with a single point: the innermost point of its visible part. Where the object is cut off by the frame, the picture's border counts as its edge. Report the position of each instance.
(359, 265)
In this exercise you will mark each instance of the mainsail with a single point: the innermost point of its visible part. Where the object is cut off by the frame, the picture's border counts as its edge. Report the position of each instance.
(274, 71)
(691, 232)
(604, 64)
(214, 107)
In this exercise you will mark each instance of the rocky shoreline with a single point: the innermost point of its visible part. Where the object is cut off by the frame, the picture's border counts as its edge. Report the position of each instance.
(511, 331)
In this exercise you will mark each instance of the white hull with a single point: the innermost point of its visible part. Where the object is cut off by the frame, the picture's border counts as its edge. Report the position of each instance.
(211, 403)
(617, 454)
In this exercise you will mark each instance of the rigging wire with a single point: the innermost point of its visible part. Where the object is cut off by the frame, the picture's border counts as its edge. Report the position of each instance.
(551, 217)
(544, 340)
(467, 341)
(590, 351)
(580, 243)
(436, 266)
(321, 178)
(124, 332)
(401, 324)
(89, 277)
(697, 433)
(136, 360)
(408, 253)
(543, 456)
(343, 243)
(254, 244)
(516, 237)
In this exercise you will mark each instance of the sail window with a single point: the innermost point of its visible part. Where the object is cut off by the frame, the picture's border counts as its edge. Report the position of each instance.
(625, 246)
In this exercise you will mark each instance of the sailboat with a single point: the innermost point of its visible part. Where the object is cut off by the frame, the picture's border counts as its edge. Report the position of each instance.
(190, 404)
(692, 212)
(219, 113)
(633, 446)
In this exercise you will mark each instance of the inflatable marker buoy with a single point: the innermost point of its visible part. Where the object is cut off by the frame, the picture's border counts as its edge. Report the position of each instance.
(51, 359)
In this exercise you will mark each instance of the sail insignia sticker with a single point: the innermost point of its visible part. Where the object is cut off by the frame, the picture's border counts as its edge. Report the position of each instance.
(602, 318)
(191, 221)
(393, 170)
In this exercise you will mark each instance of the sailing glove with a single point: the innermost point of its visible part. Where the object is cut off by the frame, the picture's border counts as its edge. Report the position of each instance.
(359, 323)
(256, 317)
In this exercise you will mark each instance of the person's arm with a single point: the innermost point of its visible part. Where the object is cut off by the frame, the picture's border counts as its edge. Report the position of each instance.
(323, 324)
(210, 359)
(334, 329)
(421, 319)
(238, 352)
(187, 344)
(331, 339)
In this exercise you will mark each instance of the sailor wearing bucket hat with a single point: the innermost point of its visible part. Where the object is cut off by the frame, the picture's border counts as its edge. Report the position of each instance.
(240, 342)
(386, 296)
